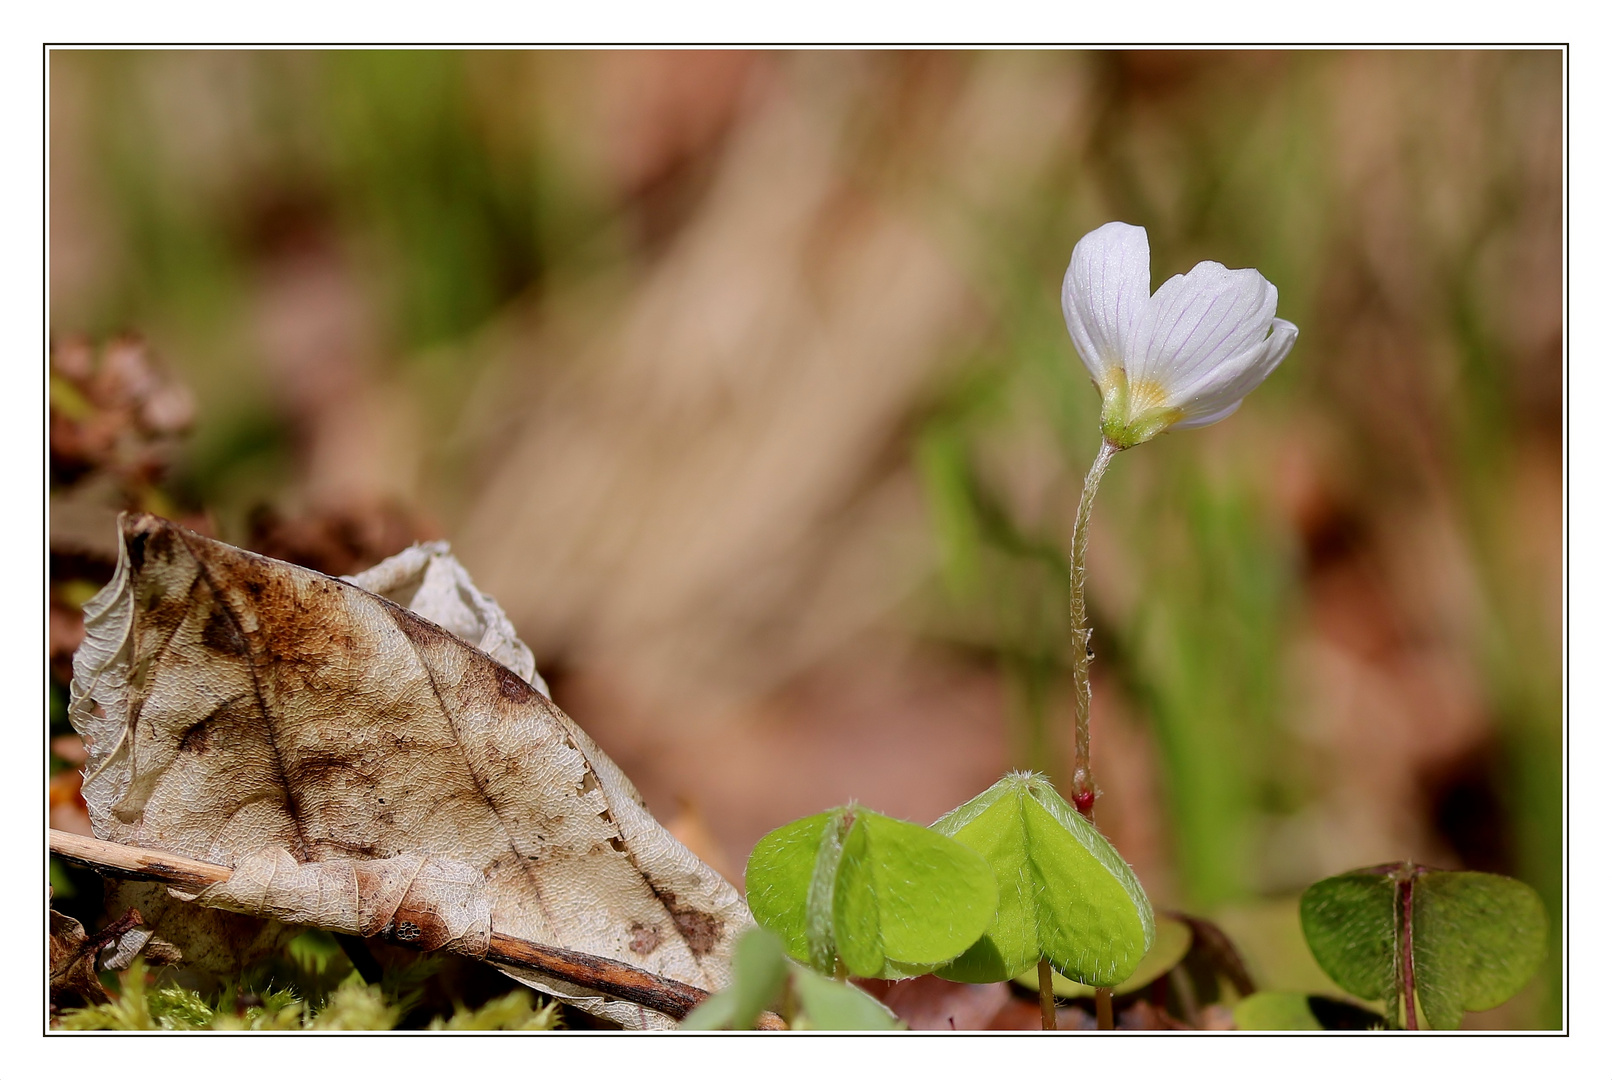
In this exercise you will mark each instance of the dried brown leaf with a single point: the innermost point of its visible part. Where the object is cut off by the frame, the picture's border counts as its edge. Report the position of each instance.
(73, 983)
(342, 753)
(430, 582)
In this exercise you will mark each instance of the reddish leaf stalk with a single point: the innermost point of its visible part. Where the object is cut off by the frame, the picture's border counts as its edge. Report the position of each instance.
(1405, 895)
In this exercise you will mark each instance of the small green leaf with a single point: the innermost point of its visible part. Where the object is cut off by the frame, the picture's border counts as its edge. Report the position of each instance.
(830, 1005)
(1478, 939)
(759, 970)
(857, 930)
(715, 1013)
(1474, 939)
(1172, 940)
(778, 879)
(1283, 1011)
(886, 898)
(1064, 892)
(1349, 923)
(1271, 1010)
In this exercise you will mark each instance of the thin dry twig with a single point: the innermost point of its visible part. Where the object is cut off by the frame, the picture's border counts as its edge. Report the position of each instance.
(668, 996)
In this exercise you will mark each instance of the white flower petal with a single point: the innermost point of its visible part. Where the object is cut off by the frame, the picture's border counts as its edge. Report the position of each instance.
(1105, 293)
(1196, 322)
(1220, 390)
(1204, 421)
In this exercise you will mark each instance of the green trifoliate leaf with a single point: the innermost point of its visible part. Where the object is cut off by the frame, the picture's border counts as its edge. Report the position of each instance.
(886, 898)
(1064, 892)
(1464, 941)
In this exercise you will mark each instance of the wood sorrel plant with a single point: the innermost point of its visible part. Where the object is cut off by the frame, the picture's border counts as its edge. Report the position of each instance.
(1016, 880)
(1064, 900)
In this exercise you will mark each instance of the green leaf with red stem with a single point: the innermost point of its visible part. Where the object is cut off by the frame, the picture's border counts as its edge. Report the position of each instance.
(1429, 943)
(1065, 893)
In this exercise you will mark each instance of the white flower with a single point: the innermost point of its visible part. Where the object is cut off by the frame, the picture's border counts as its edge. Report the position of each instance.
(1184, 357)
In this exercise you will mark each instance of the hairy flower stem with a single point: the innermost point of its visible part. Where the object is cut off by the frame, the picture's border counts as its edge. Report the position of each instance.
(1049, 1008)
(1083, 788)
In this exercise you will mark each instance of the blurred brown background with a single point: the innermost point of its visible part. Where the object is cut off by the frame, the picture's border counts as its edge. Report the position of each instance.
(739, 379)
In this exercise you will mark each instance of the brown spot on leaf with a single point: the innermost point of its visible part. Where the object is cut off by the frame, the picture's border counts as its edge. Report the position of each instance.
(317, 771)
(644, 940)
(700, 929)
(195, 739)
(512, 686)
(417, 629)
(220, 634)
(149, 539)
(422, 928)
(345, 849)
(136, 545)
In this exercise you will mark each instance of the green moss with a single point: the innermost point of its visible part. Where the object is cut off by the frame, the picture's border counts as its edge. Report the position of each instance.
(296, 993)
(517, 1010)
